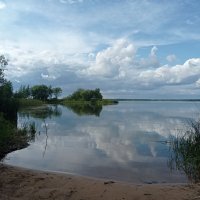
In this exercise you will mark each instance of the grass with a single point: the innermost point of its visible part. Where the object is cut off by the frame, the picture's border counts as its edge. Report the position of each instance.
(30, 102)
(103, 102)
(185, 152)
(106, 102)
(12, 139)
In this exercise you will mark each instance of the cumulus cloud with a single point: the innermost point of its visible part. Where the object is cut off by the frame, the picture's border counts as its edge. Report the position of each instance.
(171, 58)
(2, 5)
(119, 62)
(24, 59)
(187, 73)
(113, 61)
(151, 61)
(116, 67)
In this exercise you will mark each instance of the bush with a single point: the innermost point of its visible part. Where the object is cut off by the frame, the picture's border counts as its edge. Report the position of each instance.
(12, 139)
(86, 95)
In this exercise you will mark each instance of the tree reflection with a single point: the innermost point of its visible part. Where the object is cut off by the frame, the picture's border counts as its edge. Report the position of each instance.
(41, 112)
(46, 142)
(85, 109)
(185, 152)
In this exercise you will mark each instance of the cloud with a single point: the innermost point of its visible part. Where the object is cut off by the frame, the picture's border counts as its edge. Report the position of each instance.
(120, 140)
(187, 73)
(115, 68)
(198, 83)
(26, 56)
(113, 61)
(71, 1)
(2, 5)
(153, 51)
(119, 62)
(171, 58)
(151, 61)
(48, 77)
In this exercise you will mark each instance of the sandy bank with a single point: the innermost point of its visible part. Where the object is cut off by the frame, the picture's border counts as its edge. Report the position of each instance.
(21, 184)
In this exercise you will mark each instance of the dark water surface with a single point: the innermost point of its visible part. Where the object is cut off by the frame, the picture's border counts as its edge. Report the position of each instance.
(126, 142)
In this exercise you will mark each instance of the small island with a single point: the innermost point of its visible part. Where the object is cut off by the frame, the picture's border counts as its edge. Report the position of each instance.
(82, 96)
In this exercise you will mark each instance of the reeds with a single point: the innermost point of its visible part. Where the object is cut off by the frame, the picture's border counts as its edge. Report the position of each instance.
(185, 151)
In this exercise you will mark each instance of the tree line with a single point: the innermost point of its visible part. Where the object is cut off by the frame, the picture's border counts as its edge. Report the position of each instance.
(40, 92)
(44, 93)
(11, 138)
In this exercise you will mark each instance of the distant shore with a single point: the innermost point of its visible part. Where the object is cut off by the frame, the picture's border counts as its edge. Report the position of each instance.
(195, 100)
(23, 184)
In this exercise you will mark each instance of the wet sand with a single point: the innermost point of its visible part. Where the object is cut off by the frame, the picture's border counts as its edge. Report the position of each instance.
(23, 184)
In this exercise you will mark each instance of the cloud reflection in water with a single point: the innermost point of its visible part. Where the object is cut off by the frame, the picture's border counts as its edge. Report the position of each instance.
(124, 143)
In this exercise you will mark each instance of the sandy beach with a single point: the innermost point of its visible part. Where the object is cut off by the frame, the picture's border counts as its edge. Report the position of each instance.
(20, 184)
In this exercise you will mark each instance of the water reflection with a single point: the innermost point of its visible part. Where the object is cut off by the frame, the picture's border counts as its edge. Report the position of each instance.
(185, 151)
(123, 143)
(41, 112)
(46, 132)
(86, 109)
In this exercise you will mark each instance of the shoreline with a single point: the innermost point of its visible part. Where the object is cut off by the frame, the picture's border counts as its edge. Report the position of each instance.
(20, 183)
(62, 173)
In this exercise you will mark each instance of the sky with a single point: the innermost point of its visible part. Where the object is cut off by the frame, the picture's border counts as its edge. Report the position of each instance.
(127, 48)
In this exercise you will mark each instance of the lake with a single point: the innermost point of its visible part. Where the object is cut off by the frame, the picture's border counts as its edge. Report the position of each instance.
(124, 142)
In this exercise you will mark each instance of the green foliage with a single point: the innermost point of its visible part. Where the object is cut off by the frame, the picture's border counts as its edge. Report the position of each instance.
(6, 90)
(41, 92)
(30, 102)
(57, 92)
(87, 102)
(86, 95)
(8, 105)
(23, 92)
(12, 139)
(106, 102)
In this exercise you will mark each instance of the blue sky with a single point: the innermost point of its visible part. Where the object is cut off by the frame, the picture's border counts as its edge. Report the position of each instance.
(128, 49)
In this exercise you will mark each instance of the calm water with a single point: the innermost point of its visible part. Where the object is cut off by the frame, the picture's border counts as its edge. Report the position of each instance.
(124, 143)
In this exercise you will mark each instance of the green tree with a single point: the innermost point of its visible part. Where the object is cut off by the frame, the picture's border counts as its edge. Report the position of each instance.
(41, 92)
(23, 92)
(97, 94)
(57, 91)
(10, 138)
(86, 95)
(6, 90)
(8, 105)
